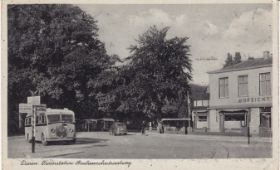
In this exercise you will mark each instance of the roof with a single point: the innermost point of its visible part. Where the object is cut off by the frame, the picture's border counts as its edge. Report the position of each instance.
(59, 111)
(90, 120)
(107, 119)
(245, 65)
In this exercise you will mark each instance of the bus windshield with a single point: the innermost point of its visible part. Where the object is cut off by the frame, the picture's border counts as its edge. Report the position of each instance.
(53, 118)
(67, 118)
(57, 118)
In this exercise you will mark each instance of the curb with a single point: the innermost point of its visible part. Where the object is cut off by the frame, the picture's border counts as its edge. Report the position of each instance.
(218, 137)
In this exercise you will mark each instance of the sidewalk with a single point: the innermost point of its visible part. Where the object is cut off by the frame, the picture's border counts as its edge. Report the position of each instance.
(253, 139)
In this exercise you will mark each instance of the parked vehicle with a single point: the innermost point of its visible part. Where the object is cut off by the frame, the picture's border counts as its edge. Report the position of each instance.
(104, 124)
(118, 128)
(52, 125)
(173, 125)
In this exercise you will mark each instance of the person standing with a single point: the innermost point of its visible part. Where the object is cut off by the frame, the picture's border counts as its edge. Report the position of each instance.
(143, 125)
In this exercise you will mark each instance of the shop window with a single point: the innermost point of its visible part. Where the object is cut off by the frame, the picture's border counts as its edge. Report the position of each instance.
(205, 102)
(223, 87)
(237, 117)
(243, 85)
(234, 117)
(265, 117)
(194, 103)
(202, 118)
(199, 103)
(265, 84)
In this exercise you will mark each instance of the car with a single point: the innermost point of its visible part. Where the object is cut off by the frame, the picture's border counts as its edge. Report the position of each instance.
(118, 128)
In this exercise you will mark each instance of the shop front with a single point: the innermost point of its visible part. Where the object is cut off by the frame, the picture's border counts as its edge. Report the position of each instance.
(265, 122)
(200, 121)
(234, 121)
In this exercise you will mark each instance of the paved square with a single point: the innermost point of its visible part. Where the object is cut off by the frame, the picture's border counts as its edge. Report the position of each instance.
(152, 145)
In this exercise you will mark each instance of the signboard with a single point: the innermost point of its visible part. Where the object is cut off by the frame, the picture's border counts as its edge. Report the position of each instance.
(36, 100)
(25, 108)
(254, 99)
(32, 107)
(40, 108)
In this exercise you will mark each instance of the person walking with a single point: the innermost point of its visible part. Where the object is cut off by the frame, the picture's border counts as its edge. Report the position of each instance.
(143, 125)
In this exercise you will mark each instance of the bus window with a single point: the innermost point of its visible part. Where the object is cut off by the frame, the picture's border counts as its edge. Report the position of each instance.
(67, 118)
(37, 120)
(28, 121)
(53, 118)
(43, 119)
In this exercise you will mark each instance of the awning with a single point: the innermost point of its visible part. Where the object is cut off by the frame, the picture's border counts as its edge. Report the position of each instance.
(175, 119)
(236, 112)
(201, 114)
(200, 111)
(233, 111)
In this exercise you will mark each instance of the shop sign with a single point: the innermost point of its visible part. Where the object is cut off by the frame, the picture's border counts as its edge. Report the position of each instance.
(254, 99)
(34, 100)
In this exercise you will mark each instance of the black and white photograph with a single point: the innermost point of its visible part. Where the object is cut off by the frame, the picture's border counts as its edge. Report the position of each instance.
(140, 81)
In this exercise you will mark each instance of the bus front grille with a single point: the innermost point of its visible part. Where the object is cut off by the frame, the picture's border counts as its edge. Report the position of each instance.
(61, 131)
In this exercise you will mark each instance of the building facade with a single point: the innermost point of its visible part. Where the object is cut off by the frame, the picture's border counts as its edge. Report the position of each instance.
(199, 108)
(240, 98)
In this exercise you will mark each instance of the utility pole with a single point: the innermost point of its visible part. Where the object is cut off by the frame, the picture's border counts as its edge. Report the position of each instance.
(248, 134)
(248, 120)
(33, 128)
(31, 108)
(189, 129)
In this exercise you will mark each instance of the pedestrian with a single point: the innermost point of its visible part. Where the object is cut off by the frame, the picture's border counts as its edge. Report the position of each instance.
(143, 127)
(160, 127)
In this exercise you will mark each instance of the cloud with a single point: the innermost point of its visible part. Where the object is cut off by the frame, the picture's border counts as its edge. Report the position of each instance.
(209, 28)
(180, 24)
(212, 33)
(251, 27)
(147, 18)
(140, 22)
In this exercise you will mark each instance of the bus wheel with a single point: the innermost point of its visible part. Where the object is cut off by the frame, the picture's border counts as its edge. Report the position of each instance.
(44, 140)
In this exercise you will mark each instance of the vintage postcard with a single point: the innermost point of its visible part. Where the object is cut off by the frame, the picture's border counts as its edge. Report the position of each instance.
(140, 84)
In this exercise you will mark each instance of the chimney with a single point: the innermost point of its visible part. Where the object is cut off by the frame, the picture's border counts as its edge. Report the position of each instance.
(266, 54)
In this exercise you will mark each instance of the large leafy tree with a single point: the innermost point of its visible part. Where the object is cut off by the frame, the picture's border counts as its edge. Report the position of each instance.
(54, 52)
(158, 72)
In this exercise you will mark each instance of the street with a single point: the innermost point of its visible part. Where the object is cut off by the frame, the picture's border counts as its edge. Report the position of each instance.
(151, 145)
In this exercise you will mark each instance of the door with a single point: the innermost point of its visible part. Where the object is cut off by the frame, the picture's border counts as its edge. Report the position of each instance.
(222, 119)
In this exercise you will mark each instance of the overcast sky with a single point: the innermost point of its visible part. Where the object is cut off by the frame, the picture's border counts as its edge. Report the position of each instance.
(213, 30)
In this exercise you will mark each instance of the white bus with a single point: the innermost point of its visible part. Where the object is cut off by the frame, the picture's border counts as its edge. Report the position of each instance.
(52, 125)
